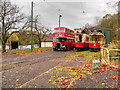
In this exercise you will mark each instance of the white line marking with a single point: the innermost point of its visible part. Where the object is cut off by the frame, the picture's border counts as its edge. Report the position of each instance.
(74, 78)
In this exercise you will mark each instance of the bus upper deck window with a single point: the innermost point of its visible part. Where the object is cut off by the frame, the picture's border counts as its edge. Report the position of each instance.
(56, 30)
(65, 30)
(61, 30)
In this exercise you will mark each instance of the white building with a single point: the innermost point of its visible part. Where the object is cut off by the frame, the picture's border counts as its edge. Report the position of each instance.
(47, 42)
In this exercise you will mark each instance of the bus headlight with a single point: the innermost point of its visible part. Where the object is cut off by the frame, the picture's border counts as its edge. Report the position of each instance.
(63, 46)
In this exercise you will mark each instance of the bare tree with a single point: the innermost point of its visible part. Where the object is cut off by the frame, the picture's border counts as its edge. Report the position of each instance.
(11, 19)
(40, 29)
(113, 5)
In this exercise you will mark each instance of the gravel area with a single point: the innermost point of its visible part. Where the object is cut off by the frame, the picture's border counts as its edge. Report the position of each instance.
(37, 64)
(15, 74)
(98, 80)
(43, 81)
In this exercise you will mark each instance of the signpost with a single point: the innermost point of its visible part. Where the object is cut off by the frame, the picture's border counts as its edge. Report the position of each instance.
(96, 64)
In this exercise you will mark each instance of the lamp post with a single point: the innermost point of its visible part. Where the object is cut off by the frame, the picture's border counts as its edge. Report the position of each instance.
(31, 26)
(59, 19)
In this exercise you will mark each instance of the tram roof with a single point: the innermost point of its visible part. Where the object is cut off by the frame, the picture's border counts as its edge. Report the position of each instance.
(63, 28)
(99, 28)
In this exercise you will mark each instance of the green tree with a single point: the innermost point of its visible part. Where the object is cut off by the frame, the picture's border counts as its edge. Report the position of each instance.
(110, 21)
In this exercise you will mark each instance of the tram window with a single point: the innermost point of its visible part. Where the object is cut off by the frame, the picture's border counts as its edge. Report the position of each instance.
(76, 38)
(80, 38)
(92, 38)
(87, 39)
(96, 40)
(99, 39)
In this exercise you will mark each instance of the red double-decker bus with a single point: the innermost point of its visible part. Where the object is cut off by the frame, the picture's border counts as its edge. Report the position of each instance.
(63, 38)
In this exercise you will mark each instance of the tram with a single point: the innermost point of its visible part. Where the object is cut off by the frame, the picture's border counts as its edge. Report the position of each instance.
(63, 38)
(96, 40)
(81, 39)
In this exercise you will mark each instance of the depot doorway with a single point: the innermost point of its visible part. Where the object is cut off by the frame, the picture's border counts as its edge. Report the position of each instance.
(14, 44)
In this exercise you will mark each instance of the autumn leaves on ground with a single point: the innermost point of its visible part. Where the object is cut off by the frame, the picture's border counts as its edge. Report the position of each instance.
(60, 69)
(27, 51)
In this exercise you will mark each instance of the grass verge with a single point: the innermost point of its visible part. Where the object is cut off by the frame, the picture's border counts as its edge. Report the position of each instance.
(28, 51)
(91, 55)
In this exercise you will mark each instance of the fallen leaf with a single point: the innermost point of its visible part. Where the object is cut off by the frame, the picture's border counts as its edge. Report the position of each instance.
(52, 76)
(17, 80)
(92, 78)
(47, 72)
(73, 73)
(60, 69)
(17, 72)
(50, 80)
(103, 84)
(53, 83)
(96, 81)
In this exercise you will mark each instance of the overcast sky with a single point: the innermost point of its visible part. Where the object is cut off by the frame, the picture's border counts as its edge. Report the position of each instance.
(75, 13)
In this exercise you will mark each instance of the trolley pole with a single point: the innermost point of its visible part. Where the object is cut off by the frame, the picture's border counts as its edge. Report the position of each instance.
(31, 26)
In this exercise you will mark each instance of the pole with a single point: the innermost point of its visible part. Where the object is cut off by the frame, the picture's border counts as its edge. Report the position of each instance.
(59, 20)
(31, 26)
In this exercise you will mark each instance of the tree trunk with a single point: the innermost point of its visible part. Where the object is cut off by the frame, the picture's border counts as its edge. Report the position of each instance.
(39, 44)
(3, 47)
(39, 40)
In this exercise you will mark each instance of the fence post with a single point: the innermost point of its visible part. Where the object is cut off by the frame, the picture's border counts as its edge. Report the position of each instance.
(108, 56)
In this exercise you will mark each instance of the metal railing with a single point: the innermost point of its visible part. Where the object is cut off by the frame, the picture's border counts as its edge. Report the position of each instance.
(106, 54)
